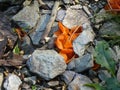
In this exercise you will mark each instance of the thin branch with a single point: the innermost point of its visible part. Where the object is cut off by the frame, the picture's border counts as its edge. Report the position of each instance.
(50, 23)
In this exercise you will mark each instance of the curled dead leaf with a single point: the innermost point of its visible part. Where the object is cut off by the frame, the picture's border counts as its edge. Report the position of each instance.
(20, 33)
(96, 66)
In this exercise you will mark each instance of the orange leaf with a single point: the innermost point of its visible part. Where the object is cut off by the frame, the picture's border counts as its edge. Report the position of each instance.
(96, 66)
(64, 40)
(20, 32)
(63, 29)
(113, 6)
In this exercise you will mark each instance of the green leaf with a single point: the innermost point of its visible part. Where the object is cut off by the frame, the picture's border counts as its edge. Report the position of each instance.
(112, 39)
(103, 56)
(112, 84)
(34, 87)
(16, 50)
(96, 86)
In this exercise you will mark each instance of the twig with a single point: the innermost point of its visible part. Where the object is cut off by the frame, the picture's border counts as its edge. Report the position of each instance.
(41, 2)
(50, 23)
(74, 31)
(11, 62)
(109, 4)
(17, 60)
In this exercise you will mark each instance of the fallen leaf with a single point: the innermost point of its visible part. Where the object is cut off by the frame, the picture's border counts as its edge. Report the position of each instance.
(96, 86)
(113, 6)
(96, 66)
(64, 40)
(17, 60)
(20, 33)
(103, 56)
(16, 50)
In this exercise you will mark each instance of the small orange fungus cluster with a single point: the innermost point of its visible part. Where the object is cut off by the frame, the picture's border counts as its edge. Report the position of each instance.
(64, 40)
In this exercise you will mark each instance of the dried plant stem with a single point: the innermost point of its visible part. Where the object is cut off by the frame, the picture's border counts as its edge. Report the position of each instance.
(109, 4)
(50, 23)
(41, 2)
(74, 31)
(11, 62)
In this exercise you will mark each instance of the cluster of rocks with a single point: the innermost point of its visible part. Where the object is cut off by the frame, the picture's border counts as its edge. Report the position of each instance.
(46, 69)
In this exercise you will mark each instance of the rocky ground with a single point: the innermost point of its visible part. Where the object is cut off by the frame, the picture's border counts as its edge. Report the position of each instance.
(59, 45)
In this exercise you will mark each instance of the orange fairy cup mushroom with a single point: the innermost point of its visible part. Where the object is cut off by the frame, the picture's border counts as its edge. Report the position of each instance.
(64, 40)
(96, 66)
(113, 6)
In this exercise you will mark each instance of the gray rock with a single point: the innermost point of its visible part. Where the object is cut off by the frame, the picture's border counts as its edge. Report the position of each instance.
(26, 72)
(26, 45)
(82, 63)
(118, 74)
(80, 43)
(77, 82)
(68, 76)
(28, 16)
(36, 35)
(60, 15)
(100, 16)
(75, 16)
(117, 50)
(86, 9)
(103, 75)
(113, 54)
(68, 1)
(31, 80)
(50, 3)
(53, 83)
(96, 6)
(12, 82)
(46, 63)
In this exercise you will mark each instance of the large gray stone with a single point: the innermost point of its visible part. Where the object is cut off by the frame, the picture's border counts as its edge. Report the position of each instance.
(12, 82)
(80, 43)
(77, 82)
(60, 15)
(36, 35)
(75, 16)
(82, 63)
(28, 16)
(46, 63)
(68, 76)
